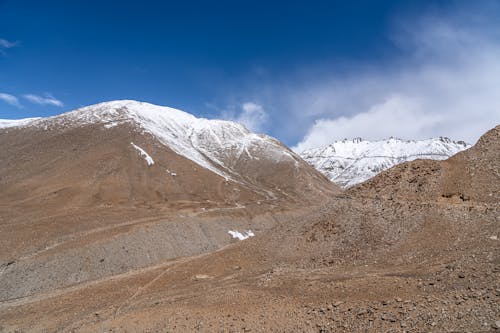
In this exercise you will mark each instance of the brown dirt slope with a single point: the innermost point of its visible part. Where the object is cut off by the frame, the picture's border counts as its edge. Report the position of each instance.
(401, 253)
(78, 202)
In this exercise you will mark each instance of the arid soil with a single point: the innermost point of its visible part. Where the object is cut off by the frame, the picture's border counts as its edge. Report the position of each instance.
(415, 249)
(79, 203)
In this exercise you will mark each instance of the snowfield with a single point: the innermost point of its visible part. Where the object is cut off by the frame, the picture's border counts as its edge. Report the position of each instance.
(349, 162)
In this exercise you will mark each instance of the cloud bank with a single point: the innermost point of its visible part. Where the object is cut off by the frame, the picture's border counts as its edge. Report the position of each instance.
(448, 84)
(440, 78)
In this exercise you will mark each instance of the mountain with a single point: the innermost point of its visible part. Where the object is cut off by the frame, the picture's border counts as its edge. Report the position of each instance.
(128, 151)
(132, 184)
(413, 249)
(349, 162)
(93, 239)
(469, 177)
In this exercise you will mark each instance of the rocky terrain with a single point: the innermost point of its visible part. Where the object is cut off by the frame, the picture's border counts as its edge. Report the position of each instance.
(123, 185)
(350, 162)
(414, 249)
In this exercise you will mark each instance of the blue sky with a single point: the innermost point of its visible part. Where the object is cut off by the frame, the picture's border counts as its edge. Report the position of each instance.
(307, 72)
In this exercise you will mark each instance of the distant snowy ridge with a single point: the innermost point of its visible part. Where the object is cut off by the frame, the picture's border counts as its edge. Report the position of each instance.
(213, 144)
(349, 162)
(6, 123)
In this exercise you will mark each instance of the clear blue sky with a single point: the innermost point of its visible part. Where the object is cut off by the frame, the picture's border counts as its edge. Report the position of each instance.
(213, 58)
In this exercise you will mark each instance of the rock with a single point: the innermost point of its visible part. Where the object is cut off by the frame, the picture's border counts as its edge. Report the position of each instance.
(337, 304)
(461, 275)
(361, 312)
(388, 317)
(496, 325)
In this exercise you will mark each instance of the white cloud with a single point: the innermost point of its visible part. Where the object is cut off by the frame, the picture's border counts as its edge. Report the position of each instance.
(447, 84)
(400, 116)
(250, 114)
(43, 100)
(441, 77)
(5, 44)
(10, 99)
(461, 101)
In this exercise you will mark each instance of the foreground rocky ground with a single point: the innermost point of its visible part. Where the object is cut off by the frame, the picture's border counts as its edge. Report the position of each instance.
(296, 282)
(416, 249)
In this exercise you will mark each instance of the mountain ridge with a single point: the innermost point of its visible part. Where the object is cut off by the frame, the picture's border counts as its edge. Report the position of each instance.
(133, 184)
(197, 139)
(349, 162)
(227, 149)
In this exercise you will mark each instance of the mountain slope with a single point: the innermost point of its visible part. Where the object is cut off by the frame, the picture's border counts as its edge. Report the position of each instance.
(470, 176)
(100, 147)
(366, 259)
(349, 162)
(132, 184)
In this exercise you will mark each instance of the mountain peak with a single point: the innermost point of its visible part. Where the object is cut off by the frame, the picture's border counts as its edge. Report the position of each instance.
(111, 111)
(216, 145)
(123, 111)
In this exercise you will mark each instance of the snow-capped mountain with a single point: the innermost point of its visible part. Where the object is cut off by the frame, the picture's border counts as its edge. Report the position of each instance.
(130, 151)
(349, 162)
(136, 184)
(213, 144)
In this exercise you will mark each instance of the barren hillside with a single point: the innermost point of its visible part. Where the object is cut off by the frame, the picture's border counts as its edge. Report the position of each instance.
(123, 185)
(415, 249)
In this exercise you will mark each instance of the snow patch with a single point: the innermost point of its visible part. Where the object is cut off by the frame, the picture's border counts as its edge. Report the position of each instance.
(111, 125)
(241, 235)
(143, 153)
